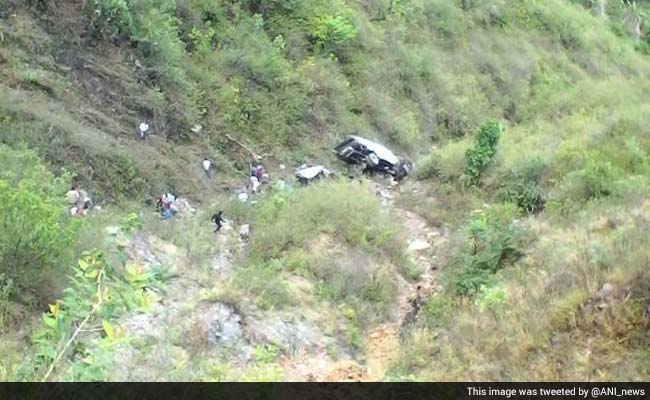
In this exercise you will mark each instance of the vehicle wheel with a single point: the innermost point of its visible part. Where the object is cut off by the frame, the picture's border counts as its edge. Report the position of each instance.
(372, 160)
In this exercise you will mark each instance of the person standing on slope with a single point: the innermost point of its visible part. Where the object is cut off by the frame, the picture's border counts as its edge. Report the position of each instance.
(144, 130)
(73, 196)
(254, 180)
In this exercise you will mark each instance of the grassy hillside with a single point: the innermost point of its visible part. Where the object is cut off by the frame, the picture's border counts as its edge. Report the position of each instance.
(525, 119)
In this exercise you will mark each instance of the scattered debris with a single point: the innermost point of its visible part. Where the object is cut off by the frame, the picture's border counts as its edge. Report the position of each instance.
(307, 173)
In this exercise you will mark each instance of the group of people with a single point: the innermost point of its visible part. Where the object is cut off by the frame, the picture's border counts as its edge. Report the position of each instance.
(258, 176)
(79, 201)
(167, 205)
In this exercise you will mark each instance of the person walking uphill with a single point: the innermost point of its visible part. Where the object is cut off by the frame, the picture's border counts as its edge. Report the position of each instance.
(218, 220)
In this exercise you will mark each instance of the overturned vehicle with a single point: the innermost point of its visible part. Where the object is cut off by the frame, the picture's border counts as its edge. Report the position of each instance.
(308, 173)
(376, 158)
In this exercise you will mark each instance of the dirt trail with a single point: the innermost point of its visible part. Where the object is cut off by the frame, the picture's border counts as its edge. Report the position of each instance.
(382, 343)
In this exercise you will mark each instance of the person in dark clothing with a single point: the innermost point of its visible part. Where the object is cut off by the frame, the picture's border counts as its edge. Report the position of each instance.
(218, 219)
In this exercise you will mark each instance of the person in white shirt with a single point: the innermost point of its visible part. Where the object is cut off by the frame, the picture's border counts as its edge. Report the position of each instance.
(144, 129)
(255, 184)
(207, 167)
(73, 196)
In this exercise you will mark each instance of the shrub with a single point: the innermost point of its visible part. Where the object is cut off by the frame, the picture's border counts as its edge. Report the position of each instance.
(492, 240)
(521, 186)
(596, 179)
(331, 31)
(113, 19)
(447, 163)
(37, 234)
(481, 156)
(491, 298)
(436, 310)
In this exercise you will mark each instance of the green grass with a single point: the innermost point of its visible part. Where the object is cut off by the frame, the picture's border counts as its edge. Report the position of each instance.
(334, 234)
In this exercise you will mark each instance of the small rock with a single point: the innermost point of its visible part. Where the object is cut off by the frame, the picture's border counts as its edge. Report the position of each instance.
(418, 245)
(385, 194)
(244, 232)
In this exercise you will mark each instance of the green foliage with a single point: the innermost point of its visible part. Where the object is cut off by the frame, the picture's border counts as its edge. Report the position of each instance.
(493, 239)
(131, 223)
(481, 156)
(346, 210)
(435, 311)
(113, 19)
(7, 289)
(266, 353)
(126, 179)
(37, 233)
(265, 283)
(595, 179)
(331, 31)
(286, 223)
(446, 164)
(521, 185)
(98, 293)
(491, 298)
(355, 337)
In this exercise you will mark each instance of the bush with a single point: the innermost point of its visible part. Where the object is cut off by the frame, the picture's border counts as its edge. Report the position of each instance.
(492, 240)
(482, 155)
(446, 164)
(492, 298)
(596, 179)
(37, 235)
(332, 31)
(113, 19)
(521, 186)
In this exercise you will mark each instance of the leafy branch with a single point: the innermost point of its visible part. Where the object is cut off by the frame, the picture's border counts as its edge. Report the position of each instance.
(94, 310)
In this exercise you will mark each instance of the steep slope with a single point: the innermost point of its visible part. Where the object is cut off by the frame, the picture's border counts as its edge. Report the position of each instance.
(526, 122)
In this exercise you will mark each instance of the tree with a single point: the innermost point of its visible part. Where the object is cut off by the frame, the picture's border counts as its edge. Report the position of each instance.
(36, 232)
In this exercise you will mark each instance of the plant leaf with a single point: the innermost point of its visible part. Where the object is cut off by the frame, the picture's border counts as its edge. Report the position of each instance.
(108, 328)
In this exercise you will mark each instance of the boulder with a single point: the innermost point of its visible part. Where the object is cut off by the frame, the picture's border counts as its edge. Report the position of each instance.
(216, 324)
